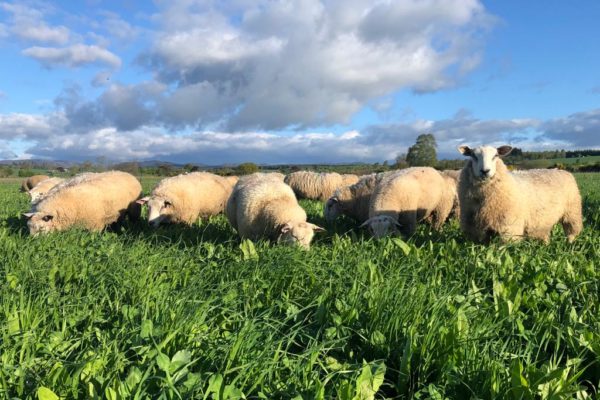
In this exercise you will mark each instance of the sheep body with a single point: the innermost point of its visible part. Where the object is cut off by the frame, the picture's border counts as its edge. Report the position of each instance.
(451, 177)
(262, 206)
(92, 201)
(317, 186)
(185, 198)
(30, 182)
(406, 197)
(353, 200)
(40, 190)
(519, 204)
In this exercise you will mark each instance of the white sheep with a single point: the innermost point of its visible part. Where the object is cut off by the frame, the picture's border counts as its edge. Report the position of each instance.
(262, 206)
(317, 186)
(353, 200)
(40, 190)
(185, 198)
(406, 197)
(514, 205)
(92, 201)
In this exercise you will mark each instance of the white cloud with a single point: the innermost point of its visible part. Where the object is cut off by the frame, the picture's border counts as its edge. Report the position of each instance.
(310, 63)
(55, 136)
(72, 56)
(581, 129)
(28, 23)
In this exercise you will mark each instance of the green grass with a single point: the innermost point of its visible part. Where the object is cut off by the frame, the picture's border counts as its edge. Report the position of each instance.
(549, 162)
(193, 313)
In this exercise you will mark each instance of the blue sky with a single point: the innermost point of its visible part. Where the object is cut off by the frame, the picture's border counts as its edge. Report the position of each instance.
(294, 81)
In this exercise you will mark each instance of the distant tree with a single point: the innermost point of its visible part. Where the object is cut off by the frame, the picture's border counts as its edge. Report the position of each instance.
(130, 167)
(165, 170)
(24, 173)
(401, 161)
(423, 152)
(247, 168)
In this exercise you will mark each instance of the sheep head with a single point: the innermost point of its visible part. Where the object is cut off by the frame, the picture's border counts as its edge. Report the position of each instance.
(332, 209)
(40, 222)
(159, 209)
(298, 233)
(484, 159)
(382, 225)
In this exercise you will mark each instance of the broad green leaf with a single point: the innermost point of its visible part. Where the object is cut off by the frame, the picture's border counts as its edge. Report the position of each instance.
(43, 393)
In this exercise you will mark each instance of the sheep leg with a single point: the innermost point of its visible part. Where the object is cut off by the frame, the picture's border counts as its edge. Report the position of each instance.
(572, 224)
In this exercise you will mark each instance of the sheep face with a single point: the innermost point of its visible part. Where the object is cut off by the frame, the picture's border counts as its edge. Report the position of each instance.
(160, 211)
(40, 222)
(332, 209)
(300, 233)
(381, 226)
(484, 159)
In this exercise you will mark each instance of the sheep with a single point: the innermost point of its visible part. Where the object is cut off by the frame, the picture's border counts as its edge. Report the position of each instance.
(185, 198)
(40, 190)
(91, 201)
(406, 197)
(29, 183)
(317, 186)
(514, 205)
(231, 180)
(451, 176)
(353, 200)
(262, 206)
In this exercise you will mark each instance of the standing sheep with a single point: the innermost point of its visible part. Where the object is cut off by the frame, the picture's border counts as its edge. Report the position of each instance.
(29, 183)
(353, 200)
(317, 186)
(406, 197)
(513, 205)
(92, 201)
(262, 206)
(185, 198)
(40, 190)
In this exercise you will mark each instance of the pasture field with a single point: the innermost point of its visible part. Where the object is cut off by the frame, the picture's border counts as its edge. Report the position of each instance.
(193, 313)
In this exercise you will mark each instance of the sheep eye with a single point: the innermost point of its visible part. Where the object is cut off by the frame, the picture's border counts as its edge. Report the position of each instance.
(47, 218)
(168, 204)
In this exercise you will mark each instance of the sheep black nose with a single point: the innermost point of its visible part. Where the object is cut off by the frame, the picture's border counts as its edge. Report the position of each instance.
(485, 171)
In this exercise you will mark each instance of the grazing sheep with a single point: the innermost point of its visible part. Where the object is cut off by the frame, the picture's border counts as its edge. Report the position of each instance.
(92, 201)
(406, 197)
(451, 176)
(262, 206)
(353, 200)
(317, 186)
(185, 198)
(513, 205)
(40, 190)
(232, 180)
(29, 183)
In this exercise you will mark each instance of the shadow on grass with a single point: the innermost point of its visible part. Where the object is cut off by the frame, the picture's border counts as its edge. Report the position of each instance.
(17, 225)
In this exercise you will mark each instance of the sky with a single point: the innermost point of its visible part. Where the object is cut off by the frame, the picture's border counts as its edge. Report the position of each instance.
(307, 81)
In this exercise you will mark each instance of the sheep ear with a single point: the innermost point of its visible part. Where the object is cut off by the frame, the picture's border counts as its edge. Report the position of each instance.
(285, 228)
(504, 150)
(317, 228)
(465, 151)
(28, 215)
(143, 200)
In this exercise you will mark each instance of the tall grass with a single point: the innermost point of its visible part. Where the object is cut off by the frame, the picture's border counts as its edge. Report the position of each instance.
(195, 313)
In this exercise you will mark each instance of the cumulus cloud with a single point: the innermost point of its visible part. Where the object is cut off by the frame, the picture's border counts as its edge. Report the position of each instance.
(73, 56)
(27, 23)
(581, 129)
(307, 63)
(30, 126)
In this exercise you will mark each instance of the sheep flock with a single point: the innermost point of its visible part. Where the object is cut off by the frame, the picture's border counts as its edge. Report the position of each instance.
(488, 200)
